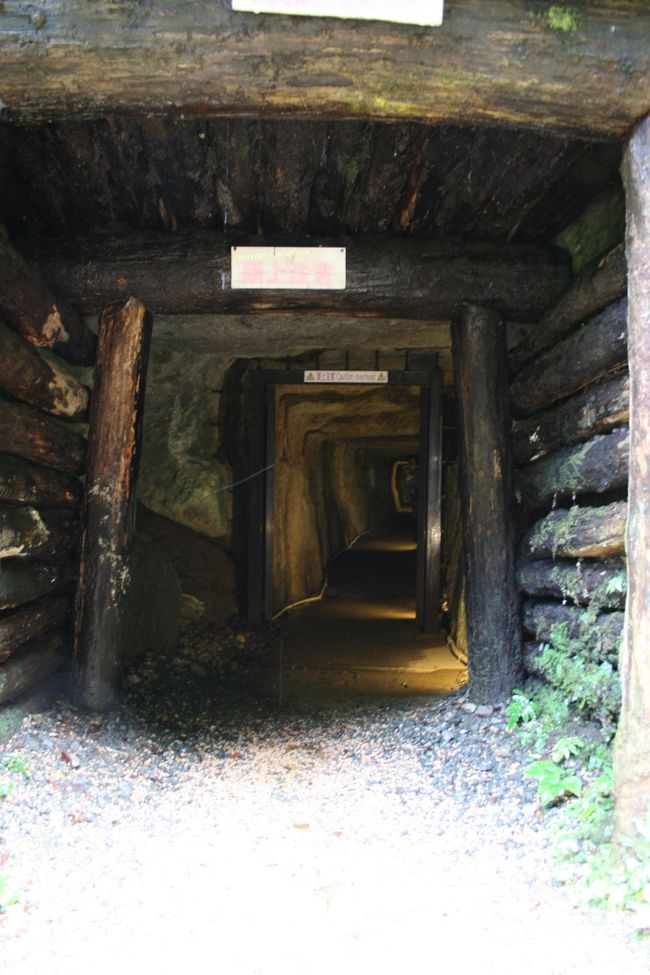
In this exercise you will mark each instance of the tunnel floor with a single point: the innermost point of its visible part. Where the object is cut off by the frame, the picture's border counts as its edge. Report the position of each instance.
(361, 637)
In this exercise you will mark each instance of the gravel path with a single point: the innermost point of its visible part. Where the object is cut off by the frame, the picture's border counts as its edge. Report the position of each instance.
(200, 829)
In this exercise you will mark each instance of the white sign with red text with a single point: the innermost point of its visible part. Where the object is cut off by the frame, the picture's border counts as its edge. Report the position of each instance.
(289, 268)
(424, 13)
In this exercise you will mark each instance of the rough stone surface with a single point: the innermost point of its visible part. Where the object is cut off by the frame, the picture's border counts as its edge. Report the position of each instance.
(153, 600)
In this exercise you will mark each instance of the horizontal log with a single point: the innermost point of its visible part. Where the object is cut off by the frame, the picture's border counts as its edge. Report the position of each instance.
(574, 533)
(586, 355)
(37, 660)
(28, 433)
(21, 625)
(22, 482)
(596, 286)
(189, 273)
(595, 467)
(499, 62)
(582, 582)
(597, 637)
(27, 376)
(597, 409)
(22, 581)
(29, 307)
(37, 534)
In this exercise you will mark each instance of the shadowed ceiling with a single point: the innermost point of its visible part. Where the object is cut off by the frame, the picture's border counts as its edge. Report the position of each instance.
(296, 177)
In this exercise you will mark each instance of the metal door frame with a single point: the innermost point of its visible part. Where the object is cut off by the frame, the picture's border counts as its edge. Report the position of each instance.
(261, 488)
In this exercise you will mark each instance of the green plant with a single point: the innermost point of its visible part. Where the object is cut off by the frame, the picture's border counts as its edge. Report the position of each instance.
(567, 747)
(520, 710)
(8, 897)
(554, 781)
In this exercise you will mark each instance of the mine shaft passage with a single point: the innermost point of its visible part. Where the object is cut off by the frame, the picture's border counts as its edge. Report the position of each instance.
(362, 636)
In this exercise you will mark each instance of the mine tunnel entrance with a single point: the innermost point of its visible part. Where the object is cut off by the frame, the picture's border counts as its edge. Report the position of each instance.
(325, 445)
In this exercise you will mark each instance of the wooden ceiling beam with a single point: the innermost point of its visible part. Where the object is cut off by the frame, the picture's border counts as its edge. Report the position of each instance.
(580, 68)
(188, 272)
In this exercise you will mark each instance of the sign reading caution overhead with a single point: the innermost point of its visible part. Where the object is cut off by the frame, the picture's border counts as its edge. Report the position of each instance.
(424, 13)
(288, 268)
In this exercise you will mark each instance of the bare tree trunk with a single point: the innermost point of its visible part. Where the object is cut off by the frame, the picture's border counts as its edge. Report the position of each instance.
(633, 740)
(481, 378)
(108, 514)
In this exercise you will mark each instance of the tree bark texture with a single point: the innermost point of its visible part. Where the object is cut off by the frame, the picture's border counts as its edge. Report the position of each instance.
(582, 582)
(108, 516)
(27, 376)
(28, 433)
(595, 287)
(575, 533)
(499, 62)
(595, 467)
(586, 355)
(22, 482)
(23, 581)
(598, 409)
(632, 761)
(28, 622)
(38, 534)
(189, 273)
(37, 660)
(599, 636)
(28, 305)
(480, 375)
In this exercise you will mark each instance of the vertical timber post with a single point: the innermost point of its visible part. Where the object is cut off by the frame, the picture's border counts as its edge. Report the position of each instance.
(109, 504)
(483, 395)
(632, 762)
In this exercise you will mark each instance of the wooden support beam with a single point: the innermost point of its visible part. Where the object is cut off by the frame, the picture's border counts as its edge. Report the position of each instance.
(23, 624)
(595, 467)
(491, 595)
(37, 534)
(37, 660)
(594, 350)
(504, 62)
(597, 285)
(22, 482)
(27, 376)
(598, 409)
(22, 581)
(28, 433)
(578, 533)
(581, 582)
(28, 305)
(189, 272)
(108, 517)
(632, 762)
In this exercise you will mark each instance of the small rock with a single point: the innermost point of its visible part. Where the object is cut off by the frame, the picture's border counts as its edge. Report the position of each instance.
(484, 710)
(469, 707)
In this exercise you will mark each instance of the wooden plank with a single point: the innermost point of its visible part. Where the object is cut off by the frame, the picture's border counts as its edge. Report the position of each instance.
(598, 409)
(597, 285)
(37, 534)
(594, 350)
(581, 68)
(27, 376)
(28, 433)
(632, 760)
(37, 660)
(188, 272)
(595, 467)
(491, 595)
(22, 482)
(28, 622)
(28, 305)
(575, 533)
(581, 582)
(108, 517)
(23, 581)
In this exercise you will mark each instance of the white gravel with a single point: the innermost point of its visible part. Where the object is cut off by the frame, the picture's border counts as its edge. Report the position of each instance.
(206, 832)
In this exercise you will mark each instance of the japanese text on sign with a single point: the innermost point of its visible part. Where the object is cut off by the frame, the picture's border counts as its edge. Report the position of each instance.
(344, 376)
(295, 268)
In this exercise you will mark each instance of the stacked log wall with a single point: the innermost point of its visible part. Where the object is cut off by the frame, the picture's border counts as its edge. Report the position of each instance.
(42, 461)
(570, 399)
